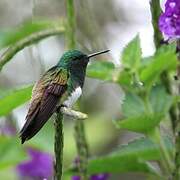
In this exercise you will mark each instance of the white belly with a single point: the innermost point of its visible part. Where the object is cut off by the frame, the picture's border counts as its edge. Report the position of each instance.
(73, 97)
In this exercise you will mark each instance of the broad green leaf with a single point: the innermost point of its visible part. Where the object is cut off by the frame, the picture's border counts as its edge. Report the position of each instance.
(142, 123)
(11, 152)
(132, 54)
(164, 61)
(143, 149)
(8, 37)
(131, 157)
(160, 100)
(117, 164)
(101, 70)
(140, 116)
(132, 105)
(14, 98)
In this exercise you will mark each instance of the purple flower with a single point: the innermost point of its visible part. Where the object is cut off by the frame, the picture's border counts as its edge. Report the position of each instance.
(40, 165)
(104, 176)
(169, 21)
(76, 178)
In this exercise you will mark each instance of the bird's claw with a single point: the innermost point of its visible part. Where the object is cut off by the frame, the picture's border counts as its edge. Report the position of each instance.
(58, 108)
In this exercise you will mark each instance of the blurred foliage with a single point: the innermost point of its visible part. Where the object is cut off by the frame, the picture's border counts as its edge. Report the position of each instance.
(9, 37)
(10, 99)
(128, 157)
(146, 105)
(11, 152)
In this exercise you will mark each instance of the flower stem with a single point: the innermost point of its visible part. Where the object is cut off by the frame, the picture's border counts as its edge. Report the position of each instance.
(176, 123)
(155, 12)
(166, 161)
(59, 137)
(82, 149)
(71, 23)
(80, 138)
(58, 146)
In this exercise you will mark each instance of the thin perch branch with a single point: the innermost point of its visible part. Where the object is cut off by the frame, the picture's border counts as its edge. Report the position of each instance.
(74, 114)
(59, 138)
(33, 38)
(58, 146)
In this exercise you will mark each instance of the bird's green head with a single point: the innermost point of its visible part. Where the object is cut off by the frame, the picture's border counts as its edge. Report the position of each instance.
(76, 58)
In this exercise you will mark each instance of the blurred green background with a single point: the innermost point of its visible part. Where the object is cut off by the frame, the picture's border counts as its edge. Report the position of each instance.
(100, 24)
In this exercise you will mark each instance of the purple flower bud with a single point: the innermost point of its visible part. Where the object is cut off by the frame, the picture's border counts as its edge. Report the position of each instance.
(169, 21)
(100, 177)
(104, 176)
(39, 166)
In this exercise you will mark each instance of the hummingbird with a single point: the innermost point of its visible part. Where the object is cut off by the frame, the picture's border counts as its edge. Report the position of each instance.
(60, 86)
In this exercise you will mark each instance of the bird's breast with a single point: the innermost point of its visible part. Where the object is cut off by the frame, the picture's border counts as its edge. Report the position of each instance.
(73, 97)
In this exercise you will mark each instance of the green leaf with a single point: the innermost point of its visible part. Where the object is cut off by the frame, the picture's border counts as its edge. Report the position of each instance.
(11, 36)
(11, 152)
(164, 61)
(132, 54)
(116, 164)
(142, 123)
(101, 70)
(160, 100)
(143, 149)
(141, 117)
(131, 157)
(132, 105)
(14, 98)
(124, 79)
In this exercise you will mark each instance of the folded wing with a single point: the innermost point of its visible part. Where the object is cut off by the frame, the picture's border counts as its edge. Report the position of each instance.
(45, 97)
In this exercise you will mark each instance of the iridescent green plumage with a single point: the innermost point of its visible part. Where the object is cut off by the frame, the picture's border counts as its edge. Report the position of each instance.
(62, 83)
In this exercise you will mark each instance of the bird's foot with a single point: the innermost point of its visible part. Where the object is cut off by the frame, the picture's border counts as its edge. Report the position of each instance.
(58, 108)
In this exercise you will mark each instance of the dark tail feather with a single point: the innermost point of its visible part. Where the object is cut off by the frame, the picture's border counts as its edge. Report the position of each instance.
(31, 128)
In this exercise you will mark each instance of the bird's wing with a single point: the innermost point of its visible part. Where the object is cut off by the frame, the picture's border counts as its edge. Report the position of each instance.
(45, 96)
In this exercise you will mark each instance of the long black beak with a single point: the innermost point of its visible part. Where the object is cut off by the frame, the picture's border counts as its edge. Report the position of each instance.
(97, 53)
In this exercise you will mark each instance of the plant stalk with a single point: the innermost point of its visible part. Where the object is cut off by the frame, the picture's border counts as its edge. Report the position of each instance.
(27, 41)
(166, 162)
(155, 13)
(71, 25)
(80, 138)
(176, 125)
(82, 149)
(58, 146)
